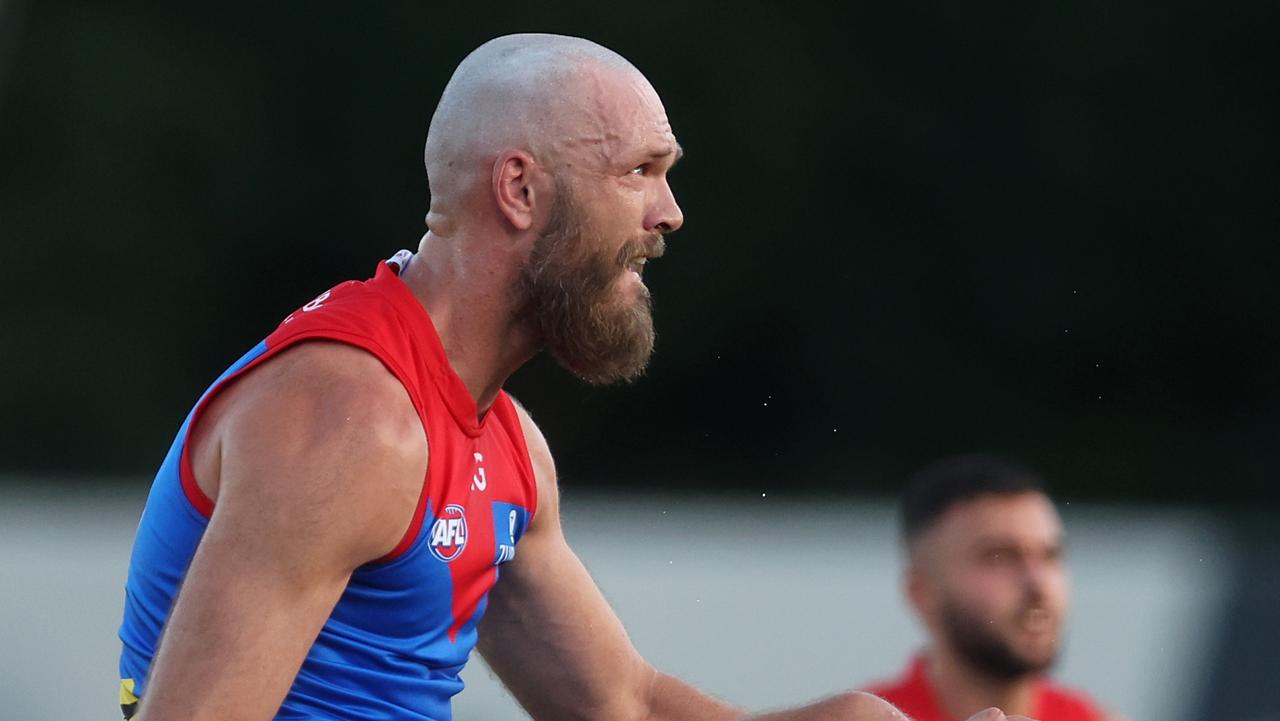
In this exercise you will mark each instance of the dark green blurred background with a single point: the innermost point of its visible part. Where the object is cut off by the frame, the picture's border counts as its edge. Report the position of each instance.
(1047, 230)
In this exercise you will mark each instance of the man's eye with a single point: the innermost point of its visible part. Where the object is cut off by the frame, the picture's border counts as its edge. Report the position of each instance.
(638, 170)
(996, 556)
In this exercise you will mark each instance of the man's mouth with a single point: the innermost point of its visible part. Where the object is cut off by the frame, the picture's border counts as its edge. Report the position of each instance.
(636, 262)
(1036, 621)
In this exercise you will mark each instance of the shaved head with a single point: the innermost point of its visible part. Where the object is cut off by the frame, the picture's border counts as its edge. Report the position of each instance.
(536, 92)
(547, 159)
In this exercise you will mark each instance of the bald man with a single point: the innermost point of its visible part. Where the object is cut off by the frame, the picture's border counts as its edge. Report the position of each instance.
(356, 504)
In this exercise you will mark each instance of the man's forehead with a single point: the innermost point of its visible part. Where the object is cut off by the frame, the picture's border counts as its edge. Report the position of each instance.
(672, 149)
(624, 116)
(1029, 513)
(623, 145)
(1000, 538)
(647, 139)
(1025, 514)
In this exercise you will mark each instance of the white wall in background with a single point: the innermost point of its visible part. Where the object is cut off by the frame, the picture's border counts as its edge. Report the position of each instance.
(762, 602)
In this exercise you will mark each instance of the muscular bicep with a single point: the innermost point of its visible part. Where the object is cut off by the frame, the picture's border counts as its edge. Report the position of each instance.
(308, 482)
(554, 641)
(241, 625)
(548, 632)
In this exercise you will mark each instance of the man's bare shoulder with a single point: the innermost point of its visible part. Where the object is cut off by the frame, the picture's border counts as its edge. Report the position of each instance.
(335, 433)
(544, 466)
(329, 391)
(539, 450)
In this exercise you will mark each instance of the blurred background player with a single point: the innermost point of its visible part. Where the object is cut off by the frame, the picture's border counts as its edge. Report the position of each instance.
(985, 574)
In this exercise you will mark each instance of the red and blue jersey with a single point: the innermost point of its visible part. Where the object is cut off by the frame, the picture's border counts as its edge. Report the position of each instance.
(398, 638)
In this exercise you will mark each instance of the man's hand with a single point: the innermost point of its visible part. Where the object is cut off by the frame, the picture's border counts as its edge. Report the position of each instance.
(848, 706)
(995, 714)
(860, 706)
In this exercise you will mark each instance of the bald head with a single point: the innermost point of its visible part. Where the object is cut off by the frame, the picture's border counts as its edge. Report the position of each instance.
(550, 95)
(548, 159)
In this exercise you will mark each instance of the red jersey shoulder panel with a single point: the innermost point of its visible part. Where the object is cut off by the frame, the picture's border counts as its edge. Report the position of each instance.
(911, 693)
(1058, 703)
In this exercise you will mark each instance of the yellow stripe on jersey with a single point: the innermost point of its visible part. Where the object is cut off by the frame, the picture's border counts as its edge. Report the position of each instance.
(128, 700)
(126, 691)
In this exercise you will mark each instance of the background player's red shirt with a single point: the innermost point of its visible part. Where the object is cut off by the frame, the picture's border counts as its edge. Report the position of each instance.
(914, 695)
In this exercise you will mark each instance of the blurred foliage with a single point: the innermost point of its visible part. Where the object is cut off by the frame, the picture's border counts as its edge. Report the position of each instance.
(1047, 230)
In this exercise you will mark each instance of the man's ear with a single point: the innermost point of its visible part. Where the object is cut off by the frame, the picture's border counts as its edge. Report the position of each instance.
(514, 187)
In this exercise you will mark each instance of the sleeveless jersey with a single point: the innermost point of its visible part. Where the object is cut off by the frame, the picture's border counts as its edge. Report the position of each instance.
(914, 695)
(397, 640)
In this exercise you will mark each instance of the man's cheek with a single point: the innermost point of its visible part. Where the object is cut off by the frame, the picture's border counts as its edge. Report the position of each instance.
(990, 593)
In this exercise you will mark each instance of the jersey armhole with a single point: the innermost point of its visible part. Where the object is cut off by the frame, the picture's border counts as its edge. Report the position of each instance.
(420, 510)
(522, 450)
(204, 505)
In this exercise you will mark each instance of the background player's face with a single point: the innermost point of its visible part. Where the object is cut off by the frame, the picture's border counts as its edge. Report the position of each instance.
(989, 580)
(611, 208)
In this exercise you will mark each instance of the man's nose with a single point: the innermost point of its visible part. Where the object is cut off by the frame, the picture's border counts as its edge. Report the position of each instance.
(1036, 575)
(665, 216)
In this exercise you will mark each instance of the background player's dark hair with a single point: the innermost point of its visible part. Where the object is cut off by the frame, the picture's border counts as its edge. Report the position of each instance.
(940, 485)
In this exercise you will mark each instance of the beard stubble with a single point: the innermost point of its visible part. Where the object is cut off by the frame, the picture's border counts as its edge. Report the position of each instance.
(568, 289)
(982, 646)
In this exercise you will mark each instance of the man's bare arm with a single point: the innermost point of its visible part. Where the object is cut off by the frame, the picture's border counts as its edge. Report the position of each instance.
(554, 641)
(315, 460)
(552, 638)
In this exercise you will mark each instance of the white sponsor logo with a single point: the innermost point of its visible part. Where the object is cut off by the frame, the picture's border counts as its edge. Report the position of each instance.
(478, 481)
(316, 302)
(449, 533)
(507, 551)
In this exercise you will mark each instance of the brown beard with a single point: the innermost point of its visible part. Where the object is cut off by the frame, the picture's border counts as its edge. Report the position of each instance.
(986, 650)
(568, 291)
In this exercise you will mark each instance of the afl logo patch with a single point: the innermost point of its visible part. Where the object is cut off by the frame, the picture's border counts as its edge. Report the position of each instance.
(449, 533)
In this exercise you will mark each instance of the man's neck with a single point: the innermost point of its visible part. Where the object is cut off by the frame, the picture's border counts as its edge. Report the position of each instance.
(470, 301)
(961, 690)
